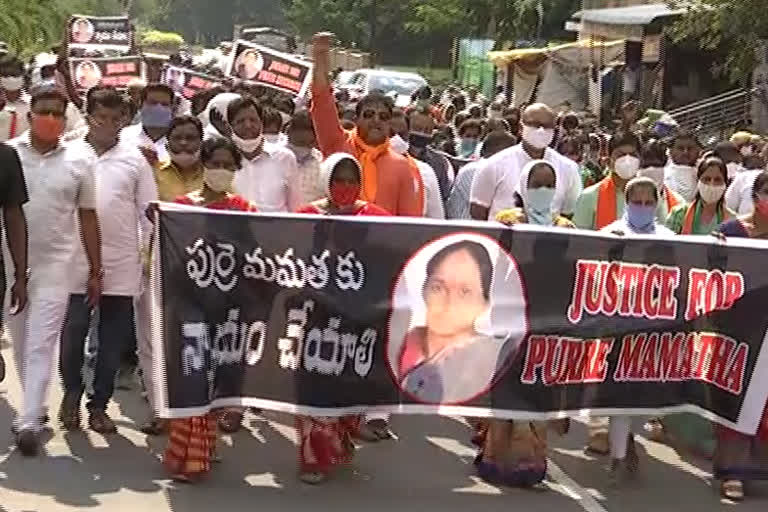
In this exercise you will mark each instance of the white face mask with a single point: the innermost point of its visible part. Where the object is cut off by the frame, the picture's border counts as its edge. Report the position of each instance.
(734, 168)
(399, 145)
(248, 146)
(219, 180)
(746, 150)
(627, 166)
(655, 173)
(539, 138)
(185, 159)
(12, 83)
(711, 193)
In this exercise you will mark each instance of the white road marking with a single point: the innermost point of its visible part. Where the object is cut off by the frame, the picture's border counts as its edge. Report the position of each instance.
(572, 489)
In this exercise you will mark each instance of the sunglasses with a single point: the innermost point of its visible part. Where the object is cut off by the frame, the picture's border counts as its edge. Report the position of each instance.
(383, 116)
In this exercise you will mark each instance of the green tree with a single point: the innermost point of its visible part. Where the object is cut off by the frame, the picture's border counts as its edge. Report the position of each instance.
(736, 25)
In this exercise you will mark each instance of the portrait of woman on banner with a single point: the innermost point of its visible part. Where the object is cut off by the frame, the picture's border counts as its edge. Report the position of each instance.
(248, 64)
(452, 353)
(82, 30)
(87, 74)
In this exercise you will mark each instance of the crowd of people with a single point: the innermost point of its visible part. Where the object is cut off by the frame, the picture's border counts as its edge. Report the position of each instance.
(78, 183)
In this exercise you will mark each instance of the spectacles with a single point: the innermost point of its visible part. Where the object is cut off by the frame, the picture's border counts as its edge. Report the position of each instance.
(383, 116)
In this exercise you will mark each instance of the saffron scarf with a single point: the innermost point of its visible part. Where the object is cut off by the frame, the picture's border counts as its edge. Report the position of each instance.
(693, 214)
(367, 156)
(606, 203)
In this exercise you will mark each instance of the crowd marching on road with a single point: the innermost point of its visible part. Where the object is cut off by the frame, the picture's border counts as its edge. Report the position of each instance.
(78, 186)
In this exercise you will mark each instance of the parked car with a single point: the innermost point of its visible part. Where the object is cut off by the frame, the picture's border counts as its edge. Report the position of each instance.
(400, 86)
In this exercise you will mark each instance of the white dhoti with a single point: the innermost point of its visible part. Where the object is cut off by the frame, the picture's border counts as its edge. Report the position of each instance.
(35, 333)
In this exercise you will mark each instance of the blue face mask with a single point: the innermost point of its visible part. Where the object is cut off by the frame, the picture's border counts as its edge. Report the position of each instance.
(538, 206)
(467, 147)
(642, 219)
(156, 116)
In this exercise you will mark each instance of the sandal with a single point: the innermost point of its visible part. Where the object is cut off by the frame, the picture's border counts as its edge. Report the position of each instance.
(378, 430)
(154, 427)
(100, 422)
(732, 490)
(187, 479)
(313, 477)
(231, 421)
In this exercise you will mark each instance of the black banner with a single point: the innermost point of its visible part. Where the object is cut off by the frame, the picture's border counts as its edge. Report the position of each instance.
(270, 68)
(113, 71)
(332, 316)
(99, 33)
(188, 82)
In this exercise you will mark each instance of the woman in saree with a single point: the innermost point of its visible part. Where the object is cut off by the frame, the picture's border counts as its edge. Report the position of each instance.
(738, 457)
(326, 442)
(192, 441)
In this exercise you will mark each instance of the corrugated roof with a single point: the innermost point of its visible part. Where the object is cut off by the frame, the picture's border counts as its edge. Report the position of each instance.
(634, 15)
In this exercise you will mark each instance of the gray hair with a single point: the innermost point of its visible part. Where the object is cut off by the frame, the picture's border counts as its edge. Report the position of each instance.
(639, 182)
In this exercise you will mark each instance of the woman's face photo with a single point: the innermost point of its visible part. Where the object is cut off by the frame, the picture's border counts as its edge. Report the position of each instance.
(454, 295)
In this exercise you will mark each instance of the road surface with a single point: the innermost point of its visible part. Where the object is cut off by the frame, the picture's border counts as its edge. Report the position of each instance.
(428, 468)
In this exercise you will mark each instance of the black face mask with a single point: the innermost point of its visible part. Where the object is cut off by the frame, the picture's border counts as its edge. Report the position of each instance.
(419, 140)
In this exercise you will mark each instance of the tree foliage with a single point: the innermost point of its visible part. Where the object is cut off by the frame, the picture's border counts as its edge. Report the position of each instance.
(737, 25)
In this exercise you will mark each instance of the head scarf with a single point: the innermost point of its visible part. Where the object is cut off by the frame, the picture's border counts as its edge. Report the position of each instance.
(522, 187)
(328, 166)
(220, 102)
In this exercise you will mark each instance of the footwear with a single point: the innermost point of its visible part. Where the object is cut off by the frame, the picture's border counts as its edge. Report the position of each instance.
(732, 490)
(598, 444)
(28, 443)
(43, 422)
(380, 429)
(230, 421)
(100, 422)
(313, 478)
(69, 412)
(154, 427)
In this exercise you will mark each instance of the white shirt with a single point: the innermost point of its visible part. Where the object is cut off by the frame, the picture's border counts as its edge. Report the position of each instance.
(312, 187)
(738, 197)
(271, 180)
(136, 136)
(18, 109)
(497, 180)
(433, 202)
(59, 183)
(125, 186)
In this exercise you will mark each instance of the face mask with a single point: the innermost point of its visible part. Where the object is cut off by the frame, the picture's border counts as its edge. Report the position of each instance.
(538, 138)
(219, 180)
(248, 146)
(467, 147)
(746, 150)
(11, 83)
(185, 159)
(419, 140)
(398, 144)
(156, 116)
(539, 205)
(285, 117)
(734, 168)
(641, 218)
(47, 128)
(761, 205)
(343, 194)
(655, 173)
(626, 167)
(711, 193)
